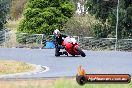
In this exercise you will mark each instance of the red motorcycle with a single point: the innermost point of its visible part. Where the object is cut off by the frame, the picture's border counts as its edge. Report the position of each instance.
(72, 47)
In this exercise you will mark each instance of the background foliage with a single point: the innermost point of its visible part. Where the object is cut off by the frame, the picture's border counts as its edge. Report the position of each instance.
(105, 11)
(81, 25)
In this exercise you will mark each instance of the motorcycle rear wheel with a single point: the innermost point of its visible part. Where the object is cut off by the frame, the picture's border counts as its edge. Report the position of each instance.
(79, 50)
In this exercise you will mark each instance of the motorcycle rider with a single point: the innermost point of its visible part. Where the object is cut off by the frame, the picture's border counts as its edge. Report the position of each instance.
(58, 36)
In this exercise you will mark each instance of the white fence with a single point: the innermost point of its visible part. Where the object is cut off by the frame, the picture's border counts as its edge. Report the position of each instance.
(24, 40)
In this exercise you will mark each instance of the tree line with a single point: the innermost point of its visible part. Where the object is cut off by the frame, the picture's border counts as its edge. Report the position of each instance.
(43, 16)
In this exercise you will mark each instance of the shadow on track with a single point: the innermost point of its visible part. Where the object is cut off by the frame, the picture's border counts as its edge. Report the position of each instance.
(68, 56)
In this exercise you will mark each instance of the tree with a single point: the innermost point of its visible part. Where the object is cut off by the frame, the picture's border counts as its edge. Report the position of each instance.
(43, 16)
(4, 9)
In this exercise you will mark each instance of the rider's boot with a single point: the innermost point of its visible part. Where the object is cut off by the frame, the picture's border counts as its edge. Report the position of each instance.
(57, 53)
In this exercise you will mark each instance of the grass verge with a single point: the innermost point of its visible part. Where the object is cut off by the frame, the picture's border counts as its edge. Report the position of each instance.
(58, 83)
(11, 67)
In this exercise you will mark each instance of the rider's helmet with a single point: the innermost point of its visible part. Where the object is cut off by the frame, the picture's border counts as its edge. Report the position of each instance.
(56, 33)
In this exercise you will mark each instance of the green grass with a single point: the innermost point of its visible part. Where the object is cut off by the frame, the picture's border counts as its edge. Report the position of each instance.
(58, 83)
(73, 84)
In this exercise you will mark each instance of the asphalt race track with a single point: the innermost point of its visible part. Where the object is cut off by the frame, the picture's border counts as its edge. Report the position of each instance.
(104, 62)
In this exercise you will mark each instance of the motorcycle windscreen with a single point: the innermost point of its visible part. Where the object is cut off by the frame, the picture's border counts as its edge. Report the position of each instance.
(66, 41)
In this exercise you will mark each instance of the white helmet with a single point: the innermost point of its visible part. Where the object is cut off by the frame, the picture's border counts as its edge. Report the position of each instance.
(56, 33)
